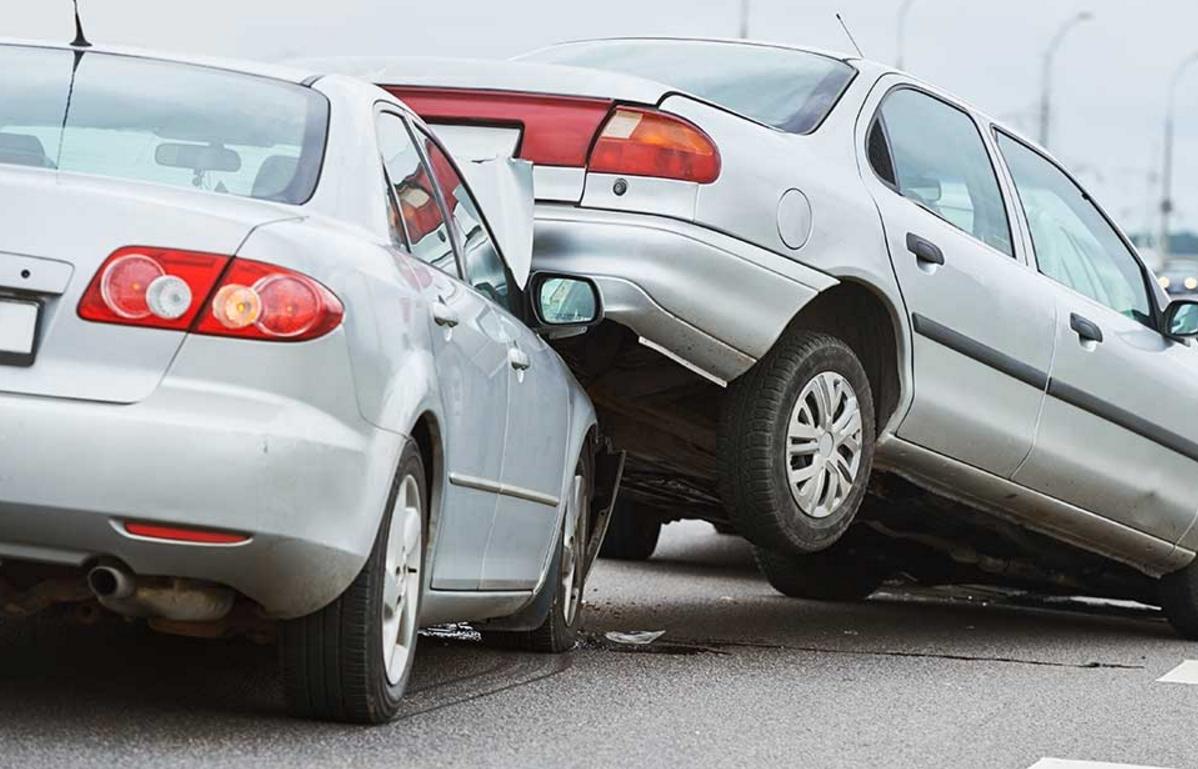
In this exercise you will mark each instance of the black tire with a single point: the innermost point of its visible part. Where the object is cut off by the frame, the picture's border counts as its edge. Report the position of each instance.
(843, 573)
(332, 660)
(753, 435)
(559, 632)
(632, 533)
(1179, 599)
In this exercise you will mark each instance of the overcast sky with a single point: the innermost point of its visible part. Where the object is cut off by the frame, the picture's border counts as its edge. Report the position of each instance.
(1110, 74)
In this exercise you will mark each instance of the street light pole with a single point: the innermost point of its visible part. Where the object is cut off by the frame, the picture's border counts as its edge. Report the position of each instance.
(1162, 241)
(744, 19)
(1049, 55)
(904, 11)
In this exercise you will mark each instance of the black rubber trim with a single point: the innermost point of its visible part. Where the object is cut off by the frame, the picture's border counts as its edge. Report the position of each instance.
(1012, 367)
(1066, 393)
(1125, 419)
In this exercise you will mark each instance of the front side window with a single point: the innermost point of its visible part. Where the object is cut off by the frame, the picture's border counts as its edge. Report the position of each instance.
(938, 160)
(484, 266)
(1074, 243)
(420, 215)
(162, 122)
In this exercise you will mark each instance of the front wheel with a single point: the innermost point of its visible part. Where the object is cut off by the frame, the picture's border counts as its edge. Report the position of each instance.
(351, 660)
(1179, 599)
(796, 444)
(559, 632)
(632, 534)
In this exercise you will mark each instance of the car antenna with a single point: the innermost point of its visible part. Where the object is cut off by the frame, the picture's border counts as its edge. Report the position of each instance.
(848, 34)
(80, 40)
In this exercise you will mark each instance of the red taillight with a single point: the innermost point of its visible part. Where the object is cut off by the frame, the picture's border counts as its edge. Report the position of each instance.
(643, 142)
(209, 294)
(182, 534)
(256, 300)
(157, 287)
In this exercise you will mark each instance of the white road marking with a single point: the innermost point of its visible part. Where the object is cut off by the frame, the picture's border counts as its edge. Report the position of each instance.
(1058, 763)
(1185, 673)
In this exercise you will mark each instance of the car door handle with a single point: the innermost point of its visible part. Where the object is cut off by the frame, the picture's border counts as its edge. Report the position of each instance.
(518, 359)
(444, 315)
(925, 250)
(1087, 330)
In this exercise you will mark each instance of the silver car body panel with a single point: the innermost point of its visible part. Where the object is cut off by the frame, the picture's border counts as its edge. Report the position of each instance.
(294, 445)
(972, 424)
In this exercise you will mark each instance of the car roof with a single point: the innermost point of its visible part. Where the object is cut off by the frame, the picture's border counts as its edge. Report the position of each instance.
(277, 72)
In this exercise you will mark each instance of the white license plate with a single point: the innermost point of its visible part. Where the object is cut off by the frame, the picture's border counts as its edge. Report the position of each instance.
(18, 331)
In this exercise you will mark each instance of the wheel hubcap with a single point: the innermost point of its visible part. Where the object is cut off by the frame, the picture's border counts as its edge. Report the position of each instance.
(573, 543)
(823, 446)
(401, 579)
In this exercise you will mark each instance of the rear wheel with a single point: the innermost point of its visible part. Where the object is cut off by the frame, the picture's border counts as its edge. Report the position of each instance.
(351, 660)
(1179, 599)
(845, 572)
(796, 444)
(559, 632)
(632, 534)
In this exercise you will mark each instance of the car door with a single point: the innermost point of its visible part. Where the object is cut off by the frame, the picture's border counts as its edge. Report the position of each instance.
(1118, 435)
(470, 346)
(983, 324)
(537, 425)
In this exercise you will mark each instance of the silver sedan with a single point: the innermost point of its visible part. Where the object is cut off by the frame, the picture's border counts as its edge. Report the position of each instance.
(266, 365)
(825, 277)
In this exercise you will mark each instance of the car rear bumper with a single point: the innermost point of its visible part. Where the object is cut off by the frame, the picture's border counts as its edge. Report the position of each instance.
(306, 485)
(710, 301)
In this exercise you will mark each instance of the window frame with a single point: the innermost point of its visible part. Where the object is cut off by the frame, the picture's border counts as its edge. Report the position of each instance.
(991, 156)
(1148, 282)
(514, 291)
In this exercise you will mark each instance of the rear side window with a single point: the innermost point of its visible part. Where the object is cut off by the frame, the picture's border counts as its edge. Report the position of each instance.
(1074, 243)
(420, 217)
(937, 159)
(781, 87)
(162, 122)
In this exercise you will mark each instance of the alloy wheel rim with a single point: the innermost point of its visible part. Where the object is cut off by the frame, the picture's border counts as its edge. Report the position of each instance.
(401, 579)
(572, 543)
(823, 444)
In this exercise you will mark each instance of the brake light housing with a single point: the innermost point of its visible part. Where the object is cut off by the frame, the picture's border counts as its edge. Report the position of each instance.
(637, 141)
(154, 287)
(257, 300)
(209, 294)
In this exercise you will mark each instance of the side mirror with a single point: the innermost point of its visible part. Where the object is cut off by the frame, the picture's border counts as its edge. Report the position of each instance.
(1181, 319)
(565, 301)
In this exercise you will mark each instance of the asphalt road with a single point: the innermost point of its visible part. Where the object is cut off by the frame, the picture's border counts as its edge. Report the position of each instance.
(742, 677)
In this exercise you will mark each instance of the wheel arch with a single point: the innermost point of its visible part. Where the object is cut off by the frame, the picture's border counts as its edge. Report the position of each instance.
(865, 319)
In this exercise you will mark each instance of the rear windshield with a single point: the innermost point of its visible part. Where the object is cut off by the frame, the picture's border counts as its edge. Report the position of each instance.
(162, 122)
(787, 89)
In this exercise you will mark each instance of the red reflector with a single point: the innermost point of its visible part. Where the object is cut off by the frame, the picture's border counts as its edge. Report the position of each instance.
(156, 287)
(558, 130)
(643, 142)
(179, 534)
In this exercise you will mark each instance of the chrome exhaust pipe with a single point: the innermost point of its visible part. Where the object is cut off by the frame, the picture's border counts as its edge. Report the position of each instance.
(111, 583)
(179, 600)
